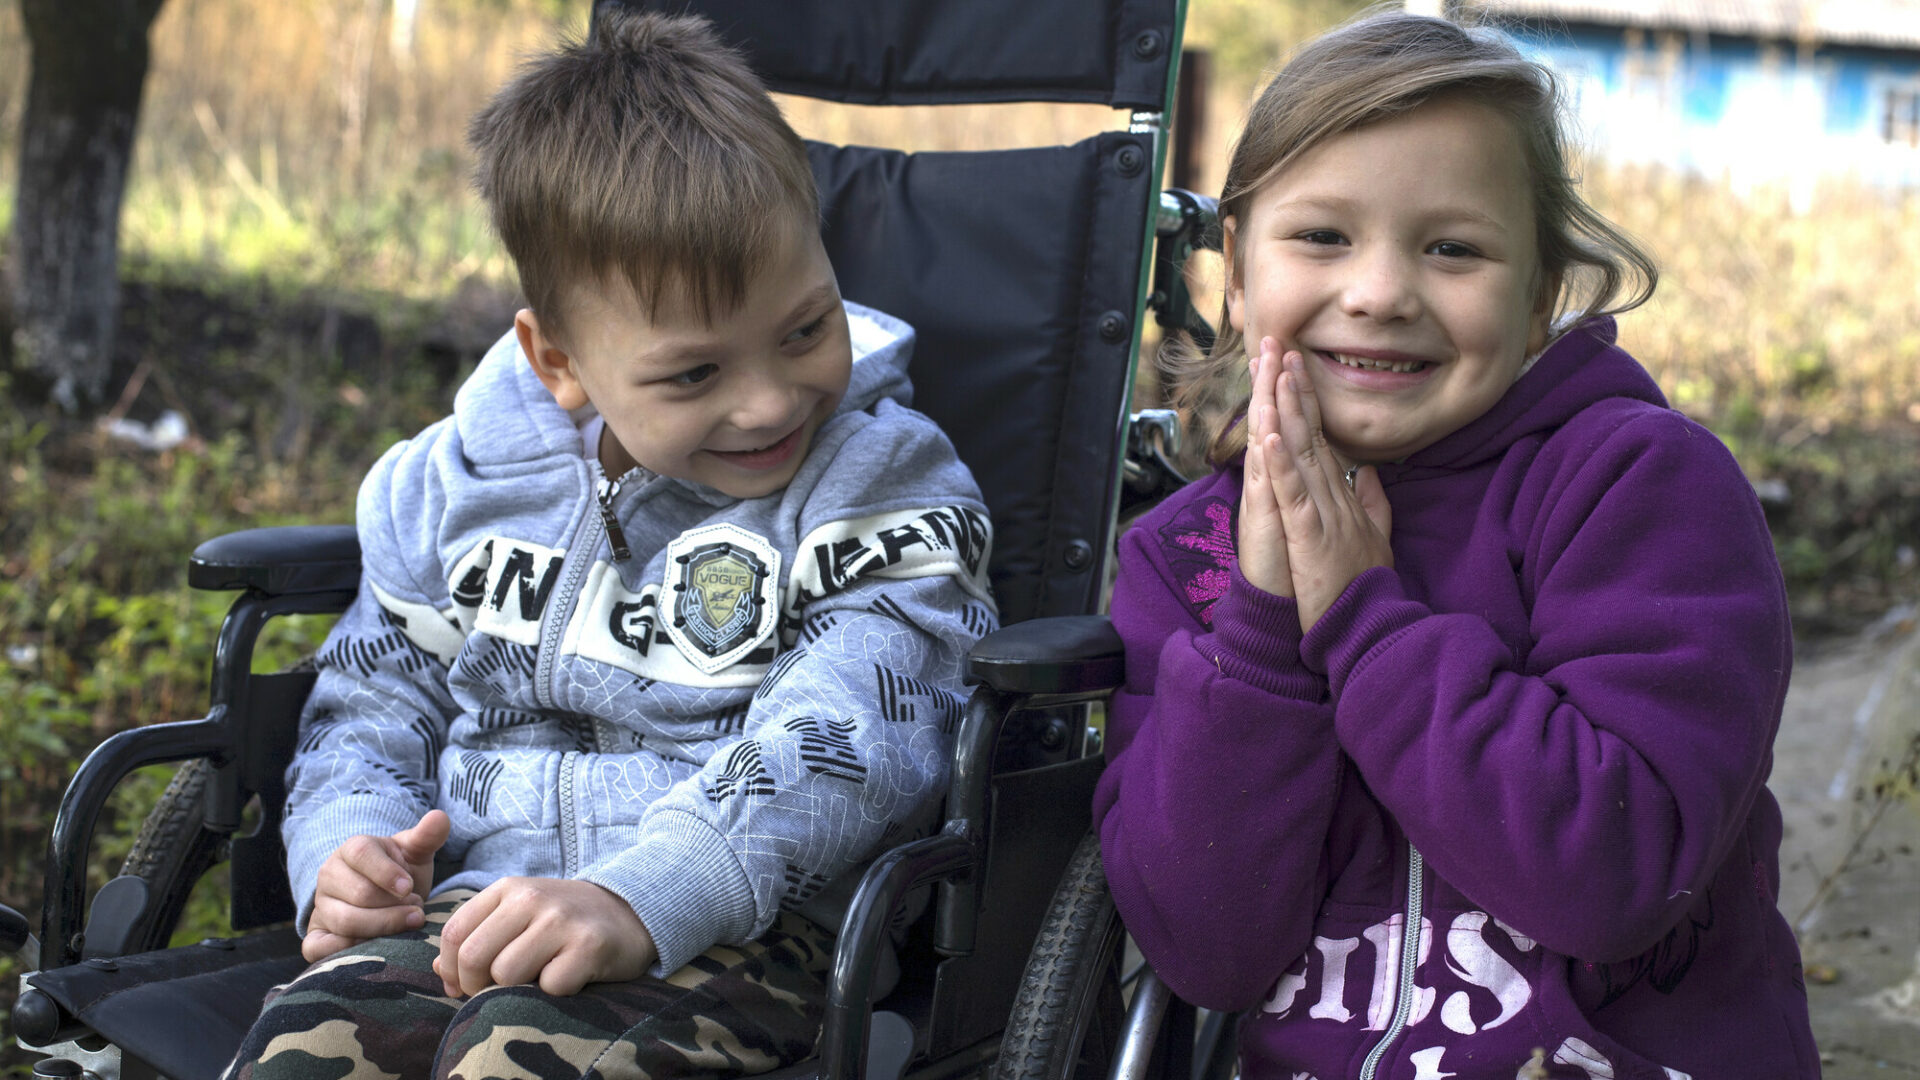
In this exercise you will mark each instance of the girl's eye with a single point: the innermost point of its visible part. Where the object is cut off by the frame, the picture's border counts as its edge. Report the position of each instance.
(1322, 236)
(694, 376)
(1453, 249)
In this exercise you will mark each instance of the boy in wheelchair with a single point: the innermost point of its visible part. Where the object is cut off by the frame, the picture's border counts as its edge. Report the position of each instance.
(659, 634)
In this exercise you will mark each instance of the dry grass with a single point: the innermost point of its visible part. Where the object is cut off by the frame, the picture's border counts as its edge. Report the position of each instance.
(299, 144)
(1779, 316)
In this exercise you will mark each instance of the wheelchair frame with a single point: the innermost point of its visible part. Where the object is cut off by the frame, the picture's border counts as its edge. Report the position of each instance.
(1042, 671)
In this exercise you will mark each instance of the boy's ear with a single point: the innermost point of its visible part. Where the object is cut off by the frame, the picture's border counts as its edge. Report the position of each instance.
(552, 365)
(1236, 290)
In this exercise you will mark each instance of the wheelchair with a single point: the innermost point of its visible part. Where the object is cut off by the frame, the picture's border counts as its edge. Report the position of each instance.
(1028, 274)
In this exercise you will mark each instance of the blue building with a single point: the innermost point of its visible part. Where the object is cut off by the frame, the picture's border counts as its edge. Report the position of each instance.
(1754, 91)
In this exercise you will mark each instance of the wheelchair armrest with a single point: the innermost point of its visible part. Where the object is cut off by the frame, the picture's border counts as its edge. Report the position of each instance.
(284, 560)
(1064, 654)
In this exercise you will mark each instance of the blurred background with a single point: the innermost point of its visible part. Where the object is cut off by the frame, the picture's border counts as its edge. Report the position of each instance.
(304, 276)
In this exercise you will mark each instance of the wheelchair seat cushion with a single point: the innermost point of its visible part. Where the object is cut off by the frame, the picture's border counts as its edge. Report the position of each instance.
(182, 1011)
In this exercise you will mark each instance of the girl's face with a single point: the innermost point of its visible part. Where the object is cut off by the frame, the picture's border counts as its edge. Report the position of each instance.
(1400, 259)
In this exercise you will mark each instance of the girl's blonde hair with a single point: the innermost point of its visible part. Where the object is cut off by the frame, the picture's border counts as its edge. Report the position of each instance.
(1380, 66)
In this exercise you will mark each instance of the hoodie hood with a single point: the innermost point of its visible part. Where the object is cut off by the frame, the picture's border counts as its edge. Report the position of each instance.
(1578, 368)
(505, 417)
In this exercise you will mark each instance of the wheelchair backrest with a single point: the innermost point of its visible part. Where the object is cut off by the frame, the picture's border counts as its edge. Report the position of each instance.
(1022, 270)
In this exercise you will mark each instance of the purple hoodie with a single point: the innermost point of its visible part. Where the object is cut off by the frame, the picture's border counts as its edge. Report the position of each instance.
(1545, 732)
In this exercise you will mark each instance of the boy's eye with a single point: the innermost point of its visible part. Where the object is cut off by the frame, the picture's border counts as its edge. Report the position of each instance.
(694, 376)
(811, 330)
(1453, 249)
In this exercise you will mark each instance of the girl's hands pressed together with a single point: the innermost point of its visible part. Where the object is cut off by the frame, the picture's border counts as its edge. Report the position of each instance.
(1261, 538)
(1333, 532)
(559, 933)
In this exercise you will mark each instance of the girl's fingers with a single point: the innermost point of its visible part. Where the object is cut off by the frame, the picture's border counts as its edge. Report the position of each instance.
(1283, 474)
(1309, 396)
(1373, 499)
(1260, 537)
(1259, 411)
(1292, 461)
(1305, 442)
(1335, 472)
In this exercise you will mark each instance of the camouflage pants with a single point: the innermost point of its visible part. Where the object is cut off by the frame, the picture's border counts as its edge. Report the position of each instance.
(377, 1010)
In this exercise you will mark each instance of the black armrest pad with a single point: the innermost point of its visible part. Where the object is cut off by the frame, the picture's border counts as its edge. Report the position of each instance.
(279, 561)
(1066, 654)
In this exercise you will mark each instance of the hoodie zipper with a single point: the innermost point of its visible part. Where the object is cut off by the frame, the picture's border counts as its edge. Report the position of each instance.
(580, 556)
(1409, 962)
(606, 491)
(569, 823)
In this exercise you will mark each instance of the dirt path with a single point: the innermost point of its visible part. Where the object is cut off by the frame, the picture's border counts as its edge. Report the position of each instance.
(1853, 709)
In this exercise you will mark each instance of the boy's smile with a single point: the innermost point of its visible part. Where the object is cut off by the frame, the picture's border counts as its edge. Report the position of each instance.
(1401, 259)
(733, 405)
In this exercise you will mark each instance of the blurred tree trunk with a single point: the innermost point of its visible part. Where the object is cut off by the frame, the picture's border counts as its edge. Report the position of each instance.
(89, 64)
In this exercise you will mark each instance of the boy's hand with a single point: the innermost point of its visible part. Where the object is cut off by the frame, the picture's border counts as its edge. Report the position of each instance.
(1334, 533)
(372, 886)
(1261, 540)
(561, 934)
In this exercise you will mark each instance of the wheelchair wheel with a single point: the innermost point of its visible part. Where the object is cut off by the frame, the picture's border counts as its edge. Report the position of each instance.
(1067, 1019)
(171, 852)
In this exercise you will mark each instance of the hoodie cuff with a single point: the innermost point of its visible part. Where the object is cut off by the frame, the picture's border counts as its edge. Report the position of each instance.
(1372, 609)
(685, 883)
(312, 838)
(1256, 640)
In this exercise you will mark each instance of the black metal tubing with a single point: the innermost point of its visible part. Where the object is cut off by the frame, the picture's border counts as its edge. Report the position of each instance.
(232, 666)
(216, 736)
(1196, 230)
(843, 1034)
(970, 797)
(948, 858)
(80, 806)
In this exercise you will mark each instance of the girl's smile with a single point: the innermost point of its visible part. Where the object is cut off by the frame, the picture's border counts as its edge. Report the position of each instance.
(1400, 259)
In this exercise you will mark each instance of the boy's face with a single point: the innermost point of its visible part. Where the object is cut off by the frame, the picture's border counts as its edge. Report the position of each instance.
(1400, 259)
(734, 405)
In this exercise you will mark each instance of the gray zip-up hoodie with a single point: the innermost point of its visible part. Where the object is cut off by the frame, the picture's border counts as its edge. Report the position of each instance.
(725, 721)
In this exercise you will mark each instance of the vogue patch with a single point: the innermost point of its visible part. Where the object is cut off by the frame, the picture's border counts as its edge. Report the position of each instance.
(722, 582)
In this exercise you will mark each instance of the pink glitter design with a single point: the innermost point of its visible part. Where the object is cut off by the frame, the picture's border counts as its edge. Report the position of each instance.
(1204, 530)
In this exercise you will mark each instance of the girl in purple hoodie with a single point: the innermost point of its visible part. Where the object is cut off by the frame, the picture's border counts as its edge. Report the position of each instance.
(1451, 692)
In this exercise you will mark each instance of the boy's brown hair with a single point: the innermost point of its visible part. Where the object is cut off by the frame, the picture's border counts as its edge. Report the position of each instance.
(1382, 65)
(648, 153)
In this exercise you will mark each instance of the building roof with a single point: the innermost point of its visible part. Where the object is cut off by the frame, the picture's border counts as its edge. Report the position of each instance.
(1887, 24)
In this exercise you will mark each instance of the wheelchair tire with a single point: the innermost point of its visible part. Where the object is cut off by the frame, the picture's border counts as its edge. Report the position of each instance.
(1068, 1016)
(171, 852)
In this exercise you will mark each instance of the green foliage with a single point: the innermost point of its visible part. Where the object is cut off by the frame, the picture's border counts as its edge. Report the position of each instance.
(98, 630)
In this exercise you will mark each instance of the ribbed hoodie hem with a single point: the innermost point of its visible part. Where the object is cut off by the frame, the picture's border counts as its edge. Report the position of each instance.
(1372, 609)
(1256, 636)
